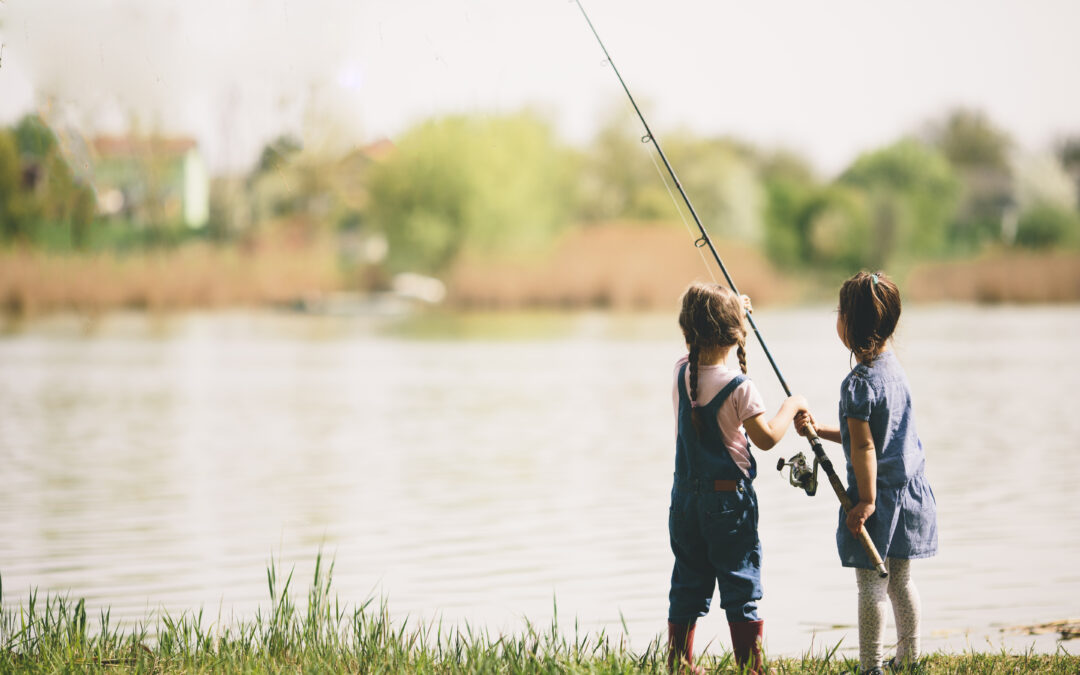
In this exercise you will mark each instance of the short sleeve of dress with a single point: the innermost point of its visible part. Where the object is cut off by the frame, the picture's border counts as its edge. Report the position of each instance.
(856, 398)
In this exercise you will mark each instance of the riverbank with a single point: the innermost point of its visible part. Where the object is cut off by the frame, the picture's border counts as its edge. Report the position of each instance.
(617, 266)
(55, 634)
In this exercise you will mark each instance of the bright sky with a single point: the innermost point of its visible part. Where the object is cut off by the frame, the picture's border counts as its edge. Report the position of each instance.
(827, 78)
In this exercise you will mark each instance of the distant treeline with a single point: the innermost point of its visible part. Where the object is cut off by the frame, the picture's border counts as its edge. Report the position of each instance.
(506, 186)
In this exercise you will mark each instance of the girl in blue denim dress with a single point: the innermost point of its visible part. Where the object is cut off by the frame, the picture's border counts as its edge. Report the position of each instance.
(714, 510)
(885, 470)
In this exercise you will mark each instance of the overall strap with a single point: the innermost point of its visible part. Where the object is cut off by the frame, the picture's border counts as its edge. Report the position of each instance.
(724, 393)
(720, 397)
(683, 395)
(718, 400)
(723, 396)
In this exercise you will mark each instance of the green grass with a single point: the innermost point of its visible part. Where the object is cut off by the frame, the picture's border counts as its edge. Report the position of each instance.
(55, 635)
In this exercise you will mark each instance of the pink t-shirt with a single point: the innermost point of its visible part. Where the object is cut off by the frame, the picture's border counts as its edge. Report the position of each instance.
(743, 403)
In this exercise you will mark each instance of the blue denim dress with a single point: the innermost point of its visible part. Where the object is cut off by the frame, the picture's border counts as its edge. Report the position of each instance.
(904, 522)
(713, 534)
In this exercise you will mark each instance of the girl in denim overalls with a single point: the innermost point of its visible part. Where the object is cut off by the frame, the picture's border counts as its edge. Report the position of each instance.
(885, 476)
(714, 511)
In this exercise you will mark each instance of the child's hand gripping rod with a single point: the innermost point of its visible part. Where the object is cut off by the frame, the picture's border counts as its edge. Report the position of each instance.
(845, 500)
(706, 241)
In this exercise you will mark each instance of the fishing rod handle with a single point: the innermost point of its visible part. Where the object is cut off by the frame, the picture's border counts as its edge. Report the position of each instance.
(845, 501)
(863, 536)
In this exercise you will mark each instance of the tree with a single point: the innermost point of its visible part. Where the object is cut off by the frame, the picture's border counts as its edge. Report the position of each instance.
(969, 139)
(911, 193)
(41, 199)
(791, 192)
(979, 151)
(11, 200)
(277, 153)
(1046, 226)
(1068, 152)
(721, 178)
(34, 138)
(477, 184)
(620, 181)
(837, 225)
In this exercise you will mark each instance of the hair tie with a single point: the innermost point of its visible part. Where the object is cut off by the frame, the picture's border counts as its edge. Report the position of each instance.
(694, 404)
(874, 279)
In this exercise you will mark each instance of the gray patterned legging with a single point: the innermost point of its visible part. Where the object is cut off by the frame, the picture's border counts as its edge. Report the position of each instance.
(905, 603)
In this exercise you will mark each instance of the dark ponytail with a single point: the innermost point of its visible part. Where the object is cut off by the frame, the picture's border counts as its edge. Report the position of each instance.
(869, 311)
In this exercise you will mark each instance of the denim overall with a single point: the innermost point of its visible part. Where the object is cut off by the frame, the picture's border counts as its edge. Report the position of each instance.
(713, 533)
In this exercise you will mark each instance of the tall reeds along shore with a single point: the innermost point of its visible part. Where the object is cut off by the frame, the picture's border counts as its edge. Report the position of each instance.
(619, 268)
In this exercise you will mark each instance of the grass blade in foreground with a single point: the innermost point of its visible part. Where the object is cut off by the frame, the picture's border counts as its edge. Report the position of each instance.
(55, 636)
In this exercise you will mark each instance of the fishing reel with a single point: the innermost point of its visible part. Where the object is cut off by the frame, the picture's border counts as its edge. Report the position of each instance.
(801, 475)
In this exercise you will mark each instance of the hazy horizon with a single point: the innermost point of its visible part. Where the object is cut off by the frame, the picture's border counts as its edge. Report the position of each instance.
(826, 81)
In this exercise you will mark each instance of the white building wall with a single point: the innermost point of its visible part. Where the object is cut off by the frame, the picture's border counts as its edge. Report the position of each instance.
(196, 190)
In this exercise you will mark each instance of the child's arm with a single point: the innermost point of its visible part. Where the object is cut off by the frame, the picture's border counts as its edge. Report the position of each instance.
(864, 462)
(766, 434)
(804, 420)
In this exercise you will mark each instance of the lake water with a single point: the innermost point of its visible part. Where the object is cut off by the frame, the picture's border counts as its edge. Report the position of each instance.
(488, 468)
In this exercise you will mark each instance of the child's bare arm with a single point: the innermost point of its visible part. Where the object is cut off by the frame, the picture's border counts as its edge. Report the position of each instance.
(765, 434)
(864, 462)
(804, 420)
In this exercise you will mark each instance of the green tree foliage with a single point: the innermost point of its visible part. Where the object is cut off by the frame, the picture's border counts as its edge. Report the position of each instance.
(620, 181)
(721, 178)
(838, 229)
(969, 139)
(277, 152)
(911, 192)
(41, 200)
(34, 137)
(11, 198)
(470, 184)
(1047, 226)
(617, 179)
(791, 193)
(979, 152)
(1068, 153)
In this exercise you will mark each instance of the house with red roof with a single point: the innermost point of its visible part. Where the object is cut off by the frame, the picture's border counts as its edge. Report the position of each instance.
(151, 180)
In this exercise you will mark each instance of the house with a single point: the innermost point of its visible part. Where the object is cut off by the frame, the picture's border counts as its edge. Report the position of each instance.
(151, 180)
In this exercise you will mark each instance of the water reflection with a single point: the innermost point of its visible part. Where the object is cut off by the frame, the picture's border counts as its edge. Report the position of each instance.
(480, 477)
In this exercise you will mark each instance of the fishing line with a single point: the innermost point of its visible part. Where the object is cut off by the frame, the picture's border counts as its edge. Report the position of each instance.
(679, 210)
(821, 459)
(704, 240)
(675, 202)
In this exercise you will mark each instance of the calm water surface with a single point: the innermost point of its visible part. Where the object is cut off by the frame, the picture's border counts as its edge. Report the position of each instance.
(485, 469)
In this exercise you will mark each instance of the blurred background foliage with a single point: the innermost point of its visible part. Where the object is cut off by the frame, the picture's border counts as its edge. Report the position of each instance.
(484, 185)
(505, 187)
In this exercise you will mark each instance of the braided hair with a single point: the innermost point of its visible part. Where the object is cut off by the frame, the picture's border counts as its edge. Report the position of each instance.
(869, 311)
(711, 316)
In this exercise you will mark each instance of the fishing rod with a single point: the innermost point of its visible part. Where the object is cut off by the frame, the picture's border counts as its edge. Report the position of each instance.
(800, 474)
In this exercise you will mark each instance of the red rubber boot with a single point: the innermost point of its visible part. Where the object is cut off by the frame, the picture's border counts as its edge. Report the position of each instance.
(681, 649)
(746, 643)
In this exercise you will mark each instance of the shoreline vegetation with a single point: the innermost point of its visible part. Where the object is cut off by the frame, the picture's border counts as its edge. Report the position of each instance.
(616, 267)
(324, 635)
(494, 211)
